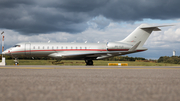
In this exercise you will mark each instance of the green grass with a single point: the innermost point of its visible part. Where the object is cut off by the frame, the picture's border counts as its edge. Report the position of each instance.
(133, 63)
(82, 63)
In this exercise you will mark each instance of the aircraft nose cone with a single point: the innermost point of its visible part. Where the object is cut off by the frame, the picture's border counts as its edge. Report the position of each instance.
(5, 52)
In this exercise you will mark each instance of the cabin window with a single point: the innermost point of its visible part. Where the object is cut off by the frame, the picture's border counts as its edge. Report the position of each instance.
(66, 47)
(33, 47)
(47, 47)
(85, 47)
(52, 47)
(61, 47)
(76, 48)
(80, 47)
(57, 47)
(43, 47)
(38, 47)
(71, 47)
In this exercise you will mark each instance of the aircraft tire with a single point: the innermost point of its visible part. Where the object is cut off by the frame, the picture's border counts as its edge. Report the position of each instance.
(89, 62)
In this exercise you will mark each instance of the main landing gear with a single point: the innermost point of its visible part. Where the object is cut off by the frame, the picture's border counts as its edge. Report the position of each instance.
(16, 62)
(89, 62)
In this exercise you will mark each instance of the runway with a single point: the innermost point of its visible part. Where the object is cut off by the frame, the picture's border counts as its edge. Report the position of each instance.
(85, 67)
(89, 83)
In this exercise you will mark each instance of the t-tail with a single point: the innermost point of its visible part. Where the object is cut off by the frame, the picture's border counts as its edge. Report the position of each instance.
(140, 35)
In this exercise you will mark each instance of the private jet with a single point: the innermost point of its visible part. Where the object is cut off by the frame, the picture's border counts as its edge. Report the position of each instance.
(85, 51)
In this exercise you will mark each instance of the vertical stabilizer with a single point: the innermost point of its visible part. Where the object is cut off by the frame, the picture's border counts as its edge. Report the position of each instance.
(140, 34)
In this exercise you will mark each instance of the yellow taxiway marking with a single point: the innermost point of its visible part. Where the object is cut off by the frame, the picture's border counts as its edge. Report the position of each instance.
(85, 68)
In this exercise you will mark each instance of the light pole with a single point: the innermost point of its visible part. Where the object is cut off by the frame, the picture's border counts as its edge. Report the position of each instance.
(2, 42)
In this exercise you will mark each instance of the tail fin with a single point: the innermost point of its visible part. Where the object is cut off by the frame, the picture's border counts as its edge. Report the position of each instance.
(140, 34)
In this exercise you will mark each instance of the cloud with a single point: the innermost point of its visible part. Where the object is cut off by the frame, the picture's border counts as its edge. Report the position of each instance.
(92, 21)
(99, 22)
(168, 35)
(75, 16)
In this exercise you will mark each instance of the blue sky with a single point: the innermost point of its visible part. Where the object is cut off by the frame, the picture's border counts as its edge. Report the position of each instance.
(98, 20)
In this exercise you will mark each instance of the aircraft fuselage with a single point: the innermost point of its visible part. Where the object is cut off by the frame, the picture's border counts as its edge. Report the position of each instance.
(64, 49)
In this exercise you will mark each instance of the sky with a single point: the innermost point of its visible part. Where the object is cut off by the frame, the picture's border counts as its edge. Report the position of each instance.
(92, 21)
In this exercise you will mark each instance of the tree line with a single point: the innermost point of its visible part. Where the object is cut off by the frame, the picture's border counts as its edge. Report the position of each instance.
(167, 59)
(124, 58)
(28, 58)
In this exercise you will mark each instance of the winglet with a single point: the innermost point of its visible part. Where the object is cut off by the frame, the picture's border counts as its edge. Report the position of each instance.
(135, 46)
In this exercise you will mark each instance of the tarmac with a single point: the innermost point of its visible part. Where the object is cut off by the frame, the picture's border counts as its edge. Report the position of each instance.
(89, 83)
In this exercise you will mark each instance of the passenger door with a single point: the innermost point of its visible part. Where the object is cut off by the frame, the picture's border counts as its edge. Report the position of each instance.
(27, 49)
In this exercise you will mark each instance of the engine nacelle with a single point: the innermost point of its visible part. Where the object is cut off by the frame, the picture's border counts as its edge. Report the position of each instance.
(117, 46)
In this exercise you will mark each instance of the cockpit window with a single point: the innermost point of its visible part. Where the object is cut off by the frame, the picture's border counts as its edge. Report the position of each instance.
(17, 46)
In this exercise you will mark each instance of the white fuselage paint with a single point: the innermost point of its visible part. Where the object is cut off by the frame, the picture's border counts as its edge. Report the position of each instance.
(58, 50)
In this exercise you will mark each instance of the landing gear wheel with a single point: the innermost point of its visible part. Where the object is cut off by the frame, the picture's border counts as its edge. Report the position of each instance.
(16, 62)
(89, 62)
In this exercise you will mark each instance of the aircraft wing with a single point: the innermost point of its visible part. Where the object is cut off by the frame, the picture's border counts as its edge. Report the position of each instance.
(77, 55)
(93, 55)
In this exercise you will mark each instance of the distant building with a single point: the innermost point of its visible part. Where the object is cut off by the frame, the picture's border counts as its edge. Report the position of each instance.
(174, 53)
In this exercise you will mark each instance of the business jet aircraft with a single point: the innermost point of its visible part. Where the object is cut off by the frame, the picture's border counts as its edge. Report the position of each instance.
(85, 51)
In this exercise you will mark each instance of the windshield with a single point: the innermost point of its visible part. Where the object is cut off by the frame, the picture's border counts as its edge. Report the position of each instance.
(17, 46)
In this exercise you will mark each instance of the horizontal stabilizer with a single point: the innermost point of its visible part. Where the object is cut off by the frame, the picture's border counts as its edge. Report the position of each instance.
(155, 28)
